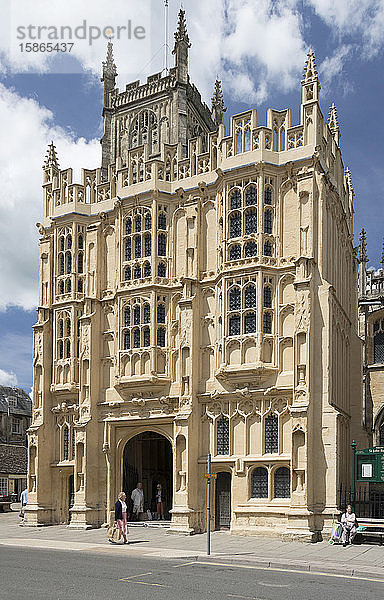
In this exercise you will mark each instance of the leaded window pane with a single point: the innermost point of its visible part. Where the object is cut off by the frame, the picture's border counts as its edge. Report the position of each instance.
(127, 340)
(69, 262)
(61, 287)
(148, 221)
(235, 299)
(146, 337)
(162, 221)
(161, 336)
(62, 243)
(162, 244)
(250, 323)
(147, 269)
(268, 221)
(136, 338)
(138, 223)
(378, 347)
(61, 328)
(160, 313)
(80, 242)
(80, 286)
(235, 252)
(127, 317)
(138, 247)
(68, 327)
(234, 325)
(136, 315)
(161, 270)
(235, 225)
(66, 443)
(235, 199)
(267, 249)
(267, 323)
(80, 263)
(267, 297)
(147, 313)
(259, 483)
(73, 444)
(69, 285)
(282, 483)
(127, 274)
(147, 245)
(271, 434)
(69, 241)
(250, 296)
(251, 196)
(61, 349)
(128, 226)
(268, 196)
(250, 249)
(250, 221)
(61, 264)
(128, 250)
(222, 435)
(137, 272)
(68, 349)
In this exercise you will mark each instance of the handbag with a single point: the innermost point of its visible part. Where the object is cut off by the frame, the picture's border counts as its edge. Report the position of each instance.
(114, 533)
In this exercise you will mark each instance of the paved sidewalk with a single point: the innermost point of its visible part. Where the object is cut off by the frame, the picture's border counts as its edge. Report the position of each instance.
(360, 560)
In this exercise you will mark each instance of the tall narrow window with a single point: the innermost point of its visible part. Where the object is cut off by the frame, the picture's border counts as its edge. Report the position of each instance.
(136, 338)
(251, 195)
(127, 273)
(68, 349)
(147, 269)
(80, 263)
(235, 299)
(250, 322)
(128, 250)
(146, 313)
(66, 442)
(250, 296)
(235, 225)
(147, 221)
(162, 244)
(271, 434)
(68, 327)
(69, 262)
(268, 221)
(137, 272)
(250, 249)
(136, 314)
(259, 483)
(127, 340)
(127, 317)
(267, 249)
(235, 252)
(222, 435)
(234, 325)
(160, 336)
(267, 322)
(267, 297)
(146, 336)
(161, 270)
(80, 242)
(73, 444)
(61, 243)
(162, 221)
(160, 313)
(235, 199)
(147, 244)
(282, 483)
(128, 226)
(138, 247)
(138, 223)
(378, 342)
(268, 196)
(61, 328)
(61, 349)
(251, 221)
(80, 286)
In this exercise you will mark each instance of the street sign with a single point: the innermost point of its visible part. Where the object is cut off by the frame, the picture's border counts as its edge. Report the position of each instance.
(211, 475)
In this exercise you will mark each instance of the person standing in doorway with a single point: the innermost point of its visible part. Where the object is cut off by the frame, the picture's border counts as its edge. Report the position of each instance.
(137, 498)
(160, 501)
(23, 500)
(121, 515)
(349, 523)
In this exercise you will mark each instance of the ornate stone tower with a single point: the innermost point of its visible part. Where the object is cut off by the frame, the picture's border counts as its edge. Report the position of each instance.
(197, 295)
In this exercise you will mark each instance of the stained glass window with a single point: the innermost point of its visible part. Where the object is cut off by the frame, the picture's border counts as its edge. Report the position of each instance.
(235, 252)
(267, 323)
(282, 483)
(66, 442)
(160, 336)
(268, 221)
(136, 314)
(235, 225)
(146, 313)
(271, 433)
(128, 250)
(267, 297)
(136, 338)
(147, 269)
(162, 221)
(251, 221)
(127, 274)
(138, 247)
(235, 299)
(127, 340)
(267, 249)
(250, 323)
(128, 226)
(127, 317)
(148, 221)
(137, 272)
(250, 296)
(234, 325)
(146, 336)
(268, 195)
(162, 244)
(222, 435)
(235, 199)
(161, 270)
(250, 249)
(147, 244)
(160, 313)
(259, 483)
(251, 196)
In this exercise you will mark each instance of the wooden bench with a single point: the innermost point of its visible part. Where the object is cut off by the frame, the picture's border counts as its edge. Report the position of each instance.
(371, 527)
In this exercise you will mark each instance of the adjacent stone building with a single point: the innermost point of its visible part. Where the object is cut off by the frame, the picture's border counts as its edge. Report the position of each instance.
(15, 418)
(198, 294)
(371, 324)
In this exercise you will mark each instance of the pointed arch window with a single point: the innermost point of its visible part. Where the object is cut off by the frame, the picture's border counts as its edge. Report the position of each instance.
(160, 313)
(146, 336)
(267, 297)
(128, 250)
(127, 273)
(282, 483)
(147, 269)
(61, 259)
(137, 272)
(378, 342)
(235, 252)
(68, 349)
(80, 286)
(138, 223)
(136, 338)
(268, 221)
(235, 201)
(268, 195)
(250, 249)
(127, 340)
(80, 242)
(222, 436)
(66, 442)
(61, 349)
(267, 322)
(128, 226)
(250, 322)
(235, 299)
(146, 313)
(234, 325)
(61, 287)
(69, 262)
(80, 262)
(68, 286)
(61, 243)
(162, 244)
(127, 317)
(68, 327)
(259, 483)
(161, 270)
(147, 244)
(267, 249)
(251, 195)
(162, 221)
(61, 328)
(235, 225)
(147, 221)
(251, 221)
(138, 247)
(271, 434)
(161, 336)
(250, 296)
(136, 314)
(69, 241)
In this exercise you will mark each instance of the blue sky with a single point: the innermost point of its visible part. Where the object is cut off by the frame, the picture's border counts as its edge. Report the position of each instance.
(258, 47)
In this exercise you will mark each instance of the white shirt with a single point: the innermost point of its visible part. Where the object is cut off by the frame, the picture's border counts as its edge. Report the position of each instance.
(158, 495)
(123, 506)
(137, 497)
(23, 497)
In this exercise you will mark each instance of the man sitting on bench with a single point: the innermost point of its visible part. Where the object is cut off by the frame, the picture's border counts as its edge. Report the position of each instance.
(349, 524)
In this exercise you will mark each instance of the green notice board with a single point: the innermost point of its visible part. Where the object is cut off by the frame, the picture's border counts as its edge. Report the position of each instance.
(370, 465)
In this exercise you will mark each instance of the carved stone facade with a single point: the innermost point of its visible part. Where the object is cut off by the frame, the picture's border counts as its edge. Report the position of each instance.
(200, 286)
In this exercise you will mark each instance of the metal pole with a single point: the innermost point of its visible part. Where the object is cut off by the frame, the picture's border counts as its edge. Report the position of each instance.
(354, 446)
(209, 506)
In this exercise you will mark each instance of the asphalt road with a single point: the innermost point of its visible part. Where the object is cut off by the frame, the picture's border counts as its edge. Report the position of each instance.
(38, 574)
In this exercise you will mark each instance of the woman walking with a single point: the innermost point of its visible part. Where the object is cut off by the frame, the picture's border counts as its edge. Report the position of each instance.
(121, 515)
(160, 501)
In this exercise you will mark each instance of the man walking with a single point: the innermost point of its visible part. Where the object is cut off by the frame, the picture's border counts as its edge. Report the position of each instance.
(23, 500)
(137, 498)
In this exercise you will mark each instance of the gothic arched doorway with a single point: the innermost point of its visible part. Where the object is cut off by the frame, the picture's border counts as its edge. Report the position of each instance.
(148, 458)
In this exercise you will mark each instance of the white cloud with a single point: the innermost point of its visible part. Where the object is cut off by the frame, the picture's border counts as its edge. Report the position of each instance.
(27, 128)
(7, 379)
(332, 68)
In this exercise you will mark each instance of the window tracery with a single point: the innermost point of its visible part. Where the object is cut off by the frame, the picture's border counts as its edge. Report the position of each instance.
(378, 342)
(259, 483)
(242, 303)
(137, 244)
(222, 436)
